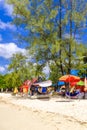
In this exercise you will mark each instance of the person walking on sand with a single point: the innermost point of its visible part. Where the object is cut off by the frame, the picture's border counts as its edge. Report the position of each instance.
(15, 90)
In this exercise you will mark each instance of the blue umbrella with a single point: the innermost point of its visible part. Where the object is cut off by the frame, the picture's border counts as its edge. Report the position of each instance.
(60, 83)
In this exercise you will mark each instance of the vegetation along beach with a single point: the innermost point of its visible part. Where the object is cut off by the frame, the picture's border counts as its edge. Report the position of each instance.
(43, 64)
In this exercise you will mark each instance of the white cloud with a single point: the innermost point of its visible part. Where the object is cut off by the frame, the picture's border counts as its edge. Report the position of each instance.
(7, 25)
(67, 35)
(0, 38)
(2, 69)
(6, 66)
(8, 8)
(1, 1)
(7, 50)
(46, 70)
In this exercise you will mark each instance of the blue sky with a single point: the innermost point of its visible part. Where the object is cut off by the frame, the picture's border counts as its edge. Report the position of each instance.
(8, 43)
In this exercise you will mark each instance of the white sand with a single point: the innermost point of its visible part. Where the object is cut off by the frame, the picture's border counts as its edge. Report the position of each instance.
(55, 113)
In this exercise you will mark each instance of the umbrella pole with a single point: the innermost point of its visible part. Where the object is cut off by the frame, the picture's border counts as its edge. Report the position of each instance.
(67, 88)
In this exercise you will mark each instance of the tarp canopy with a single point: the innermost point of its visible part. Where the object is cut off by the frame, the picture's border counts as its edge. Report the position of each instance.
(44, 83)
(27, 82)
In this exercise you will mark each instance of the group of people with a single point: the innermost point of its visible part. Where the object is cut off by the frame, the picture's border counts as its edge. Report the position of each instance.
(33, 90)
(72, 91)
(37, 90)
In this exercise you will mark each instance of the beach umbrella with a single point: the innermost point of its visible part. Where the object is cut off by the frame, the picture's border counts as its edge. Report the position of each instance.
(85, 84)
(80, 83)
(69, 78)
(73, 83)
(60, 83)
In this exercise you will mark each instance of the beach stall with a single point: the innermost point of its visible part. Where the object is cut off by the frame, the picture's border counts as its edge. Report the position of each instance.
(41, 89)
(25, 87)
(76, 90)
(70, 79)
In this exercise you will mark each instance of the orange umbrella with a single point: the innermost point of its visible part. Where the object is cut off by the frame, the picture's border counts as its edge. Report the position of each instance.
(69, 78)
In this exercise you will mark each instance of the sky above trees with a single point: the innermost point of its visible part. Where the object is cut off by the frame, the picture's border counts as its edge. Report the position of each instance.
(8, 41)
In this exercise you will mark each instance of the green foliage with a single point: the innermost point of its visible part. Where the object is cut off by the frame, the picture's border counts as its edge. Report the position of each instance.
(83, 65)
(47, 24)
(85, 57)
(2, 82)
(18, 68)
(55, 72)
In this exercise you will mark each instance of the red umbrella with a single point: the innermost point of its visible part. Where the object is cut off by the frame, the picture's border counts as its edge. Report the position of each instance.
(69, 78)
(73, 83)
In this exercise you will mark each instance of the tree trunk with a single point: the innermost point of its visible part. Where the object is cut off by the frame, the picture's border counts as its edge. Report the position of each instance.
(69, 68)
(60, 35)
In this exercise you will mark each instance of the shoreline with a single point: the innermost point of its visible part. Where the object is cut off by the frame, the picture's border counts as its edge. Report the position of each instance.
(59, 120)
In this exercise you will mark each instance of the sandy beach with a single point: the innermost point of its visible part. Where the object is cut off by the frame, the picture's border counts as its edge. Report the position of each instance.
(17, 113)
